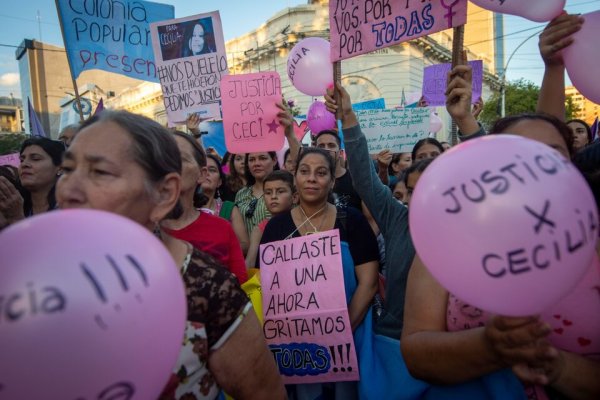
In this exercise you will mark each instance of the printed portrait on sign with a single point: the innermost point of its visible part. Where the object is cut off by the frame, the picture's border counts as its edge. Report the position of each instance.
(187, 39)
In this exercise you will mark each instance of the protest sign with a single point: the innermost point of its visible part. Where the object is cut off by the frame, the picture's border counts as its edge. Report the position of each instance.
(435, 78)
(361, 26)
(394, 130)
(111, 36)
(306, 321)
(250, 112)
(375, 104)
(190, 62)
(11, 159)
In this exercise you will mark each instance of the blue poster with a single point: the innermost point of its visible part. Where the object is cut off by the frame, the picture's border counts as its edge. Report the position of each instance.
(375, 104)
(112, 36)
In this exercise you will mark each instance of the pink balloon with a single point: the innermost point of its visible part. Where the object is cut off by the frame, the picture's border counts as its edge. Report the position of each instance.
(582, 57)
(534, 10)
(504, 223)
(319, 118)
(309, 67)
(89, 302)
(435, 123)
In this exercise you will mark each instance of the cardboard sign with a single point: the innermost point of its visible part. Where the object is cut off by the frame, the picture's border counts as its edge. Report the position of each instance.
(361, 26)
(306, 321)
(111, 36)
(250, 113)
(190, 62)
(11, 159)
(435, 78)
(395, 130)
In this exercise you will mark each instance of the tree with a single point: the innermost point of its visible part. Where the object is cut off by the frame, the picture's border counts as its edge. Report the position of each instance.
(571, 108)
(521, 97)
(11, 142)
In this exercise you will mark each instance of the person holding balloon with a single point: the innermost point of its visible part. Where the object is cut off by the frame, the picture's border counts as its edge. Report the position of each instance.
(130, 165)
(553, 352)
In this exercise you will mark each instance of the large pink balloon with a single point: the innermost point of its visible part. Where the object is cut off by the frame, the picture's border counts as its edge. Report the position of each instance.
(309, 67)
(534, 10)
(504, 223)
(319, 118)
(90, 302)
(582, 58)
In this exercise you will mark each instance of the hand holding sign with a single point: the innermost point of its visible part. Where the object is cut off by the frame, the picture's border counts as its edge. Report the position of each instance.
(250, 112)
(534, 10)
(512, 243)
(80, 290)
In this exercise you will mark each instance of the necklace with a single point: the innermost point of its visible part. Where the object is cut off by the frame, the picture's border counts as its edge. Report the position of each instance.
(307, 219)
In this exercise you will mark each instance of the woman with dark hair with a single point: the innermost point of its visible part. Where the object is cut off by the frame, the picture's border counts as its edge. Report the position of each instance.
(236, 176)
(250, 199)
(582, 133)
(212, 189)
(130, 165)
(38, 173)
(315, 178)
(426, 148)
(471, 345)
(198, 40)
(203, 230)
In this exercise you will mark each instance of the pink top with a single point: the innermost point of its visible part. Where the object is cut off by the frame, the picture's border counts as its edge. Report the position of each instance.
(575, 320)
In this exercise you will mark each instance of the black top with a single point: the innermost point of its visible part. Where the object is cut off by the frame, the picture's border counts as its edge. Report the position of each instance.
(345, 193)
(354, 229)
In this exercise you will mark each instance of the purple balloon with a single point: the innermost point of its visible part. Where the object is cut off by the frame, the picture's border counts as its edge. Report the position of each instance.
(319, 118)
(509, 242)
(309, 66)
(582, 55)
(90, 302)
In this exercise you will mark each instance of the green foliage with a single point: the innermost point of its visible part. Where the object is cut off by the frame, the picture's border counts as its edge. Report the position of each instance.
(521, 97)
(11, 142)
(571, 108)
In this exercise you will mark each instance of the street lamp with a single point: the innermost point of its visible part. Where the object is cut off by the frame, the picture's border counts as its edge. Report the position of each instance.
(503, 87)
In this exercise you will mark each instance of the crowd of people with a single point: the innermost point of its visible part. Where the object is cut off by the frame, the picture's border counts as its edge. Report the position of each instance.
(213, 213)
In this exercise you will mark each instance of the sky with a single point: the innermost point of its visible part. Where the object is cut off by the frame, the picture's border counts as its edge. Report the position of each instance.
(239, 17)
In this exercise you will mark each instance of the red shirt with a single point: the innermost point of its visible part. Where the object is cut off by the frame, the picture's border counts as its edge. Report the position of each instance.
(215, 236)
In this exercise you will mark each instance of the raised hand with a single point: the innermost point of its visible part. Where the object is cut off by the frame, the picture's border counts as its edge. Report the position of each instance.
(556, 36)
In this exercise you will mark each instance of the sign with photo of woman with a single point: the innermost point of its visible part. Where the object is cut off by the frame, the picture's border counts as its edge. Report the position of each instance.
(190, 61)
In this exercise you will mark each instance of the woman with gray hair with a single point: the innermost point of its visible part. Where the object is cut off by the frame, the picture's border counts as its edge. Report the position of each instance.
(130, 165)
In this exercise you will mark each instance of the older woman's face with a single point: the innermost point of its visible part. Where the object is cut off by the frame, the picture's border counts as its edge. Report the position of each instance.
(197, 40)
(99, 172)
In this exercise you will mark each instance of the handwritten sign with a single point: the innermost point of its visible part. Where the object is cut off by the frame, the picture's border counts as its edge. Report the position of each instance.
(395, 130)
(11, 159)
(250, 113)
(111, 36)
(306, 321)
(435, 78)
(190, 62)
(361, 26)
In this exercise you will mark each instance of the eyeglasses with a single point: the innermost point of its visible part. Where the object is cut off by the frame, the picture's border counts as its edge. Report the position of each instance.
(251, 208)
